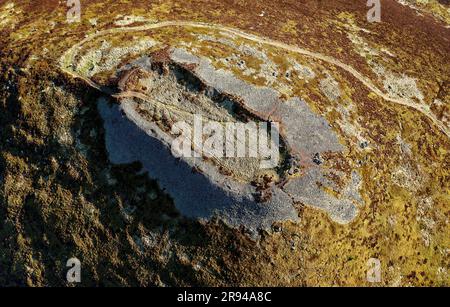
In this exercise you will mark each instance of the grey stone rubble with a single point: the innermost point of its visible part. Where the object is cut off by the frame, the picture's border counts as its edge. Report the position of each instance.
(206, 194)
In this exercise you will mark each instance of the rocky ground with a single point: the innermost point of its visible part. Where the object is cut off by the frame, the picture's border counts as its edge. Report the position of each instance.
(383, 87)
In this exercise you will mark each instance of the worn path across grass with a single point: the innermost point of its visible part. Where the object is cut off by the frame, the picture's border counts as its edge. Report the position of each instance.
(68, 58)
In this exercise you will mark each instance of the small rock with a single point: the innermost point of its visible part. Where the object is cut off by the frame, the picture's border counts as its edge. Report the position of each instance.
(152, 195)
(364, 144)
(277, 228)
(317, 159)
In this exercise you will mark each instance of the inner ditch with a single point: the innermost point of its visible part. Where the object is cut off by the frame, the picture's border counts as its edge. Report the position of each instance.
(168, 92)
